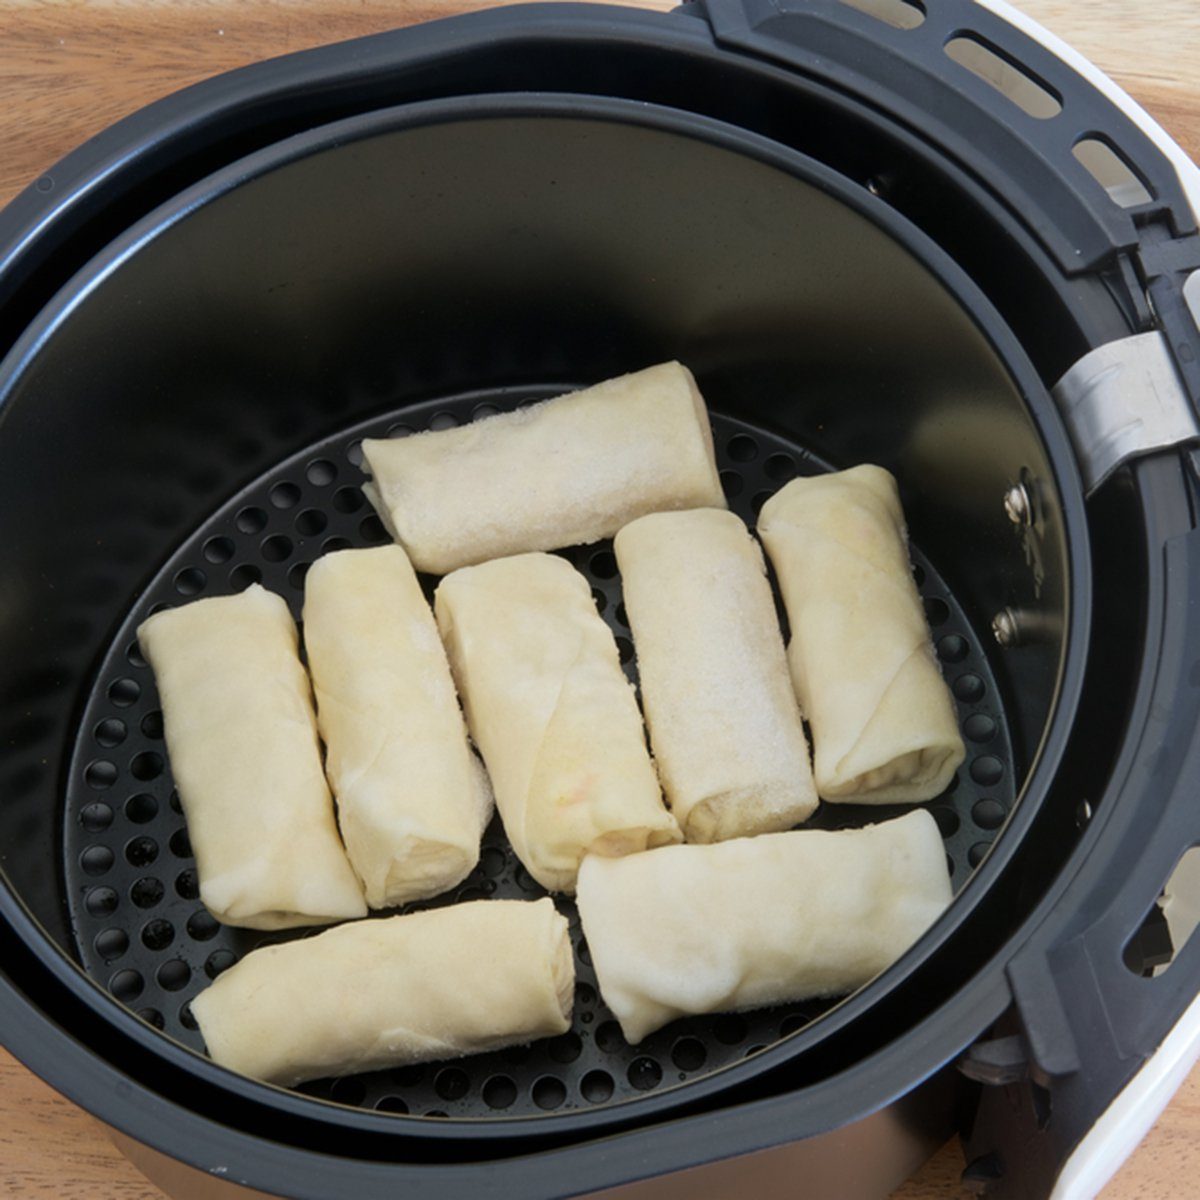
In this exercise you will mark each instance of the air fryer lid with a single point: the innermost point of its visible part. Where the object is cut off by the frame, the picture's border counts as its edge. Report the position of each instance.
(241, 339)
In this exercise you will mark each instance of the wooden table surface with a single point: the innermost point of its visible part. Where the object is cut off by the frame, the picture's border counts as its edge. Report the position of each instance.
(69, 68)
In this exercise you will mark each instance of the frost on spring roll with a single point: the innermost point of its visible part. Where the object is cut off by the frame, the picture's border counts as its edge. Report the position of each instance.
(242, 740)
(412, 799)
(758, 921)
(552, 713)
(384, 993)
(883, 722)
(724, 722)
(565, 472)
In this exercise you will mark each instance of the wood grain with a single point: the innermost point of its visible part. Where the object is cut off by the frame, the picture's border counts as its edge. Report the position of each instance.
(68, 68)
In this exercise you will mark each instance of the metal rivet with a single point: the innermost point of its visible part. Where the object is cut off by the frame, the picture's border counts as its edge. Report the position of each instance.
(1017, 505)
(1004, 628)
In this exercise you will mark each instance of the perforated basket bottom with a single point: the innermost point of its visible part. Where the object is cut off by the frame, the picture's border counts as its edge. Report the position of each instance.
(130, 878)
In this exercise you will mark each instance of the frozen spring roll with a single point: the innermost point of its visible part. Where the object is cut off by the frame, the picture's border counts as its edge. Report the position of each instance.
(552, 713)
(724, 722)
(384, 993)
(561, 473)
(412, 799)
(242, 740)
(758, 921)
(883, 723)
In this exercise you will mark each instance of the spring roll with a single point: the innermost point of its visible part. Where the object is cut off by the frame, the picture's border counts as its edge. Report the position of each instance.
(412, 800)
(758, 921)
(242, 741)
(883, 723)
(560, 473)
(398, 990)
(724, 722)
(552, 713)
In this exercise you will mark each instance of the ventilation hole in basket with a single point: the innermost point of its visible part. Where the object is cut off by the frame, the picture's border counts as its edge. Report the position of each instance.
(988, 813)
(781, 467)
(158, 935)
(585, 955)
(175, 803)
(792, 1023)
(621, 615)
(320, 472)
(111, 944)
(918, 574)
(250, 519)
(371, 530)
(947, 820)
(443, 420)
(332, 544)
(110, 733)
(311, 521)
(689, 1054)
(96, 818)
(244, 576)
(134, 656)
(549, 1092)
(297, 574)
(348, 499)
(482, 411)
(644, 1073)
(436, 1113)
(976, 853)
(96, 860)
(391, 1104)
(1009, 78)
(152, 1017)
(473, 892)
(408, 1077)
(218, 550)
(742, 448)
(499, 1092)
(146, 765)
(284, 495)
(596, 1087)
(760, 498)
(601, 600)
(609, 1037)
(951, 787)
(186, 885)
(141, 851)
(451, 1083)
(124, 692)
(276, 548)
(100, 901)
(1110, 170)
(937, 611)
(526, 882)
(219, 961)
(603, 565)
(491, 861)
(979, 727)
(173, 975)
(148, 892)
(753, 1050)
(730, 1029)
(190, 581)
(126, 986)
(400, 430)
(969, 688)
(202, 926)
(152, 725)
(899, 14)
(624, 649)
(566, 1048)
(953, 649)
(585, 995)
(987, 770)
(141, 809)
(732, 484)
(180, 844)
(186, 1019)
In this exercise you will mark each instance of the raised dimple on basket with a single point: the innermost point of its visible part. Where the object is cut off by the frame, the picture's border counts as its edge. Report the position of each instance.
(132, 890)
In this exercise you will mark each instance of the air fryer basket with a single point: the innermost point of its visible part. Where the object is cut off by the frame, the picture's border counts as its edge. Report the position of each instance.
(183, 418)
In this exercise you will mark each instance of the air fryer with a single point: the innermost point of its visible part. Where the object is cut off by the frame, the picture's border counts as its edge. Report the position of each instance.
(870, 246)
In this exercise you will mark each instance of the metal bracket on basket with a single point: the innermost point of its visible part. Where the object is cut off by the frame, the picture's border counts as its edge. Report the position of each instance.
(1122, 400)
